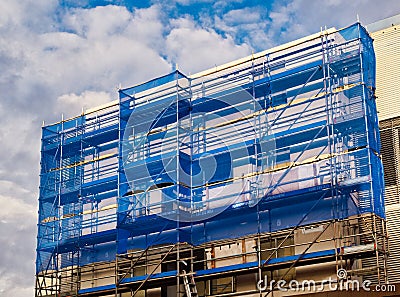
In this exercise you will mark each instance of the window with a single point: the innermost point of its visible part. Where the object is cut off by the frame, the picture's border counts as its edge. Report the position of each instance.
(222, 285)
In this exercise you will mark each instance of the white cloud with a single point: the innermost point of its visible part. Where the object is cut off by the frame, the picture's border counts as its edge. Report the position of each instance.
(242, 16)
(220, 5)
(78, 103)
(35, 14)
(189, 2)
(248, 24)
(8, 288)
(13, 208)
(147, 27)
(101, 50)
(98, 23)
(195, 49)
(17, 225)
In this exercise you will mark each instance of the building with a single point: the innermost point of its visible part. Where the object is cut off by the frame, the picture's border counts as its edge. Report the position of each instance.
(264, 168)
(386, 35)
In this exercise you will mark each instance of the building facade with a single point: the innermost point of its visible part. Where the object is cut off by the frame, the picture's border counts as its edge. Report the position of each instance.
(266, 168)
(386, 35)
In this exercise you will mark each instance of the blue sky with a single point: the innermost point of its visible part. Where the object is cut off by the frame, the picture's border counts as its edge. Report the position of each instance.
(62, 56)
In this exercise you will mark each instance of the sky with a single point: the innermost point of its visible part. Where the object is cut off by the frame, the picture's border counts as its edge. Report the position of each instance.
(62, 56)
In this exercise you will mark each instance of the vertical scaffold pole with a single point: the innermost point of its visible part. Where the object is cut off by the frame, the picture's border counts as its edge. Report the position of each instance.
(178, 187)
(330, 138)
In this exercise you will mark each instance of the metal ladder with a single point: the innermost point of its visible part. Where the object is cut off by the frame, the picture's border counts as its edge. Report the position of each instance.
(190, 285)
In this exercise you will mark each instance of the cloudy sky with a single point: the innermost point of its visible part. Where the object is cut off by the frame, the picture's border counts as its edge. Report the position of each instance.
(59, 56)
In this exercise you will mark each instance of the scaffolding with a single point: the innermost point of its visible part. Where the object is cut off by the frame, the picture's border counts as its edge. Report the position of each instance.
(78, 198)
(261, 167)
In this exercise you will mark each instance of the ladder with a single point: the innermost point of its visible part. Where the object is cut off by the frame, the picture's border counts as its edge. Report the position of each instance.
(190, 285)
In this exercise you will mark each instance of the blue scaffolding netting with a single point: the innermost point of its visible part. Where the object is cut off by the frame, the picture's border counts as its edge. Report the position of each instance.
(284, 138)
